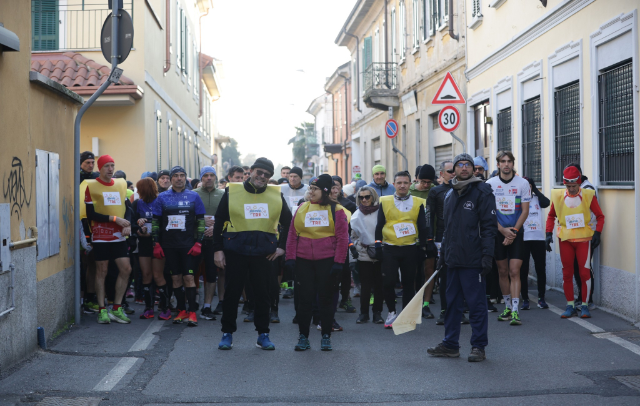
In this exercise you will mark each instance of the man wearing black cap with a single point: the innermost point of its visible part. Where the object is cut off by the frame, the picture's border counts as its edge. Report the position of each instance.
(87, 262)
(87, 163)
(470, 228)
(295, 189)
(245, 238)
(164, 180)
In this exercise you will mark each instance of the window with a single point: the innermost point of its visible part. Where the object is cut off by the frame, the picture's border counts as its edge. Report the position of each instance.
(426, 18)
(480, 128)
(476, 14)
(434, 121)
(504, 130)
(158, 139)
(366, 53)
(187, 53)
(567, 126)
(47, 203)
(170, 141)
(403, 31)
(377, 151)
(615, 132)
(418, 142)
(196, 79)
(443, 153)
(439, 14)
(394, 37)
(531, 140)
(44, 25)
(416, 24)
(376, 46)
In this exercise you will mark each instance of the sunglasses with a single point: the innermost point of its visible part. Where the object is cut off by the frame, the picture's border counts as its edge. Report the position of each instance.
(247, 173)
(478, 168)
(261, 174)
(463, 165)
(365, 197)
(450, 171)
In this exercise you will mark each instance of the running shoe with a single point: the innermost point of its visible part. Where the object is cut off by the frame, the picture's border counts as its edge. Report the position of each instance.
(264, 342)
(377, 318)
(391, 317)
(274, 318)
(103, 317)
(491, 307)
(227, 342)
(440, 321)
(569, 312)
(542, 304)
(126, 308)
(578, 304)
(356, 291)
(87, 310)
(505, 316)
(288, 294)
(476, 355)
(464, 319)
(347, 306)
(182, 316)
(335, 326)
(585, 314)
(207, 314)
(515, 319)
(592, 306)
(303, 344)
(119, 316)
(249, 318)
(130, 293)
(192, 319)
(139, 301)
(525, 305)
(148, 314)
(319, 327)
(441, 350)
(363, 318)
(371, 300)
(92, 306)
(426, 312)
(325, 343)
(399, 294)
(164, 314)
(218, 310)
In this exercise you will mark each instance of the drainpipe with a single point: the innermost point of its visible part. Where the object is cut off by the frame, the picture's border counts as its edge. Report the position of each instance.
(200, 64)
(451, 34)
(167, 28)
(347, 126)
(357, 68)
(386, 39)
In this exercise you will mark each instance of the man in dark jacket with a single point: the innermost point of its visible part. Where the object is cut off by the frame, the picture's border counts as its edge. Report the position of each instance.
(87, 163)
(470, 227)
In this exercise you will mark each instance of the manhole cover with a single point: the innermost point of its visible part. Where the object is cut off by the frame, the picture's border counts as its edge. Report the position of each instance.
(54, 401)
(632, 381)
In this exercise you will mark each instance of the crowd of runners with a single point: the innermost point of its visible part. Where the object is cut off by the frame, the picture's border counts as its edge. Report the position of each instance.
(252, 238)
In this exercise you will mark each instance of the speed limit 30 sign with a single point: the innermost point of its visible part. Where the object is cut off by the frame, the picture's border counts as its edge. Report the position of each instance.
(449, 118)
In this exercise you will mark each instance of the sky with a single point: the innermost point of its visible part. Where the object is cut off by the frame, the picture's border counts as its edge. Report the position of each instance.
(277, 57)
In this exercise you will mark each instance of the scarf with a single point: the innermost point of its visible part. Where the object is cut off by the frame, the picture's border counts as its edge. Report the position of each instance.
(401, 198)
(368, 209)
(461, 185)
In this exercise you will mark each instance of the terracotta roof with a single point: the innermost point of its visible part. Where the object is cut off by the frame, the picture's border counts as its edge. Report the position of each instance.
(80, 74)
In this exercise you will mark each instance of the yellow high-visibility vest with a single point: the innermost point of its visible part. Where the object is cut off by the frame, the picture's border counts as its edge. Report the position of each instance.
(254, 211)
(315, 221)
(108, 200)
(573, 221)
(401, 228)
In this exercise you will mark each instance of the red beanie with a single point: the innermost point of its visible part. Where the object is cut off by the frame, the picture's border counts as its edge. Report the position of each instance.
(571, 174)
(103, 160)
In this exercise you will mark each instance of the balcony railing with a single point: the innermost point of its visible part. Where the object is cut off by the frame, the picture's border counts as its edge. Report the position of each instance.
(68, 27)
(381, 76)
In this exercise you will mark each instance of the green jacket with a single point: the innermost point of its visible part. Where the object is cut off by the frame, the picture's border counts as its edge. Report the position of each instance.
(210, 201)
(420, 193)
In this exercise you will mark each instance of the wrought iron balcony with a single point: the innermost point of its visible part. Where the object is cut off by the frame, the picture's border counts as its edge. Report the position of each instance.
(74, 26)
(381, 85)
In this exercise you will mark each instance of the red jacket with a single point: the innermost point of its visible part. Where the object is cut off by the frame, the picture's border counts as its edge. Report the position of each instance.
(321, 248)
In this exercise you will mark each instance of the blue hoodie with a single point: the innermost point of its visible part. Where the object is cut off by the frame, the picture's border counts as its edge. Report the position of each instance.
(385, 190)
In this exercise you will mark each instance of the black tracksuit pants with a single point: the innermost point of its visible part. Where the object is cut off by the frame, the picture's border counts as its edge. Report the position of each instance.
(314, 277)
(370, 280)
(254, 271)
(405, 258)
(576, 274)
(537, 249)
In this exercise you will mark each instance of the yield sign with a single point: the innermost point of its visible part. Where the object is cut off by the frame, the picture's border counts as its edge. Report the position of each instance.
(448, 92)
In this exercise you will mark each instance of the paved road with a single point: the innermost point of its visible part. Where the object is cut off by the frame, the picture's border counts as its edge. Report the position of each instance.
(545, 361)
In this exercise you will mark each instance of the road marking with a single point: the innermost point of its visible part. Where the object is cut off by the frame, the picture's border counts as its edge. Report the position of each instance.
(146, 337)
(600, 333)
(116, 374)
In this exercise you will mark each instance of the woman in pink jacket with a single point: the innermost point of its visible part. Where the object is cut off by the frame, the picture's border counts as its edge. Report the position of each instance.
(316, 250)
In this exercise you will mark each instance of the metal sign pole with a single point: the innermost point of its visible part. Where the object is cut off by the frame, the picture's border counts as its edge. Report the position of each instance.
(464, 146)
(406, 162)
(115, 14)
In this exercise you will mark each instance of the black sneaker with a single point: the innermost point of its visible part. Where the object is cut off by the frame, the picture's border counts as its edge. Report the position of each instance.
(274, 318)
(426, 312)
(127, 308)
(303, 344)
(440, 321)
(347, 306)
(288, 294)
(335, 326)
(218, 310)
(249, 318)
(207, 314)
(441, 351)
(377, 318)
(399, 294)
(363, 318)
(491, 307)
(464, 320)
(476, 355)
(245, 308)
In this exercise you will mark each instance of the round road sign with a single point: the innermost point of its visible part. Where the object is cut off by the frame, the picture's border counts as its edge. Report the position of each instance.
(449, 118)
(125, 37)
(391, 128)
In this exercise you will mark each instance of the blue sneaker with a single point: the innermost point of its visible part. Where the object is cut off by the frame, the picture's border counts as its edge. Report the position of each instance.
(325, 343)
(303, 344)
(226, 343)
(264, 342)
(569, 312)
(542, 304)
(525, 305)
(585, 312)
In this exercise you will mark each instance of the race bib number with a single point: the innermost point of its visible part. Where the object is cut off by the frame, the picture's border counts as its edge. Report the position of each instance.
(111, 198)
(574, 221)
(148, 227)
(317, 218)
(293, 201)
(176, 223)
(256, 211)
(404, 229)
(532, 224)
(506, 204)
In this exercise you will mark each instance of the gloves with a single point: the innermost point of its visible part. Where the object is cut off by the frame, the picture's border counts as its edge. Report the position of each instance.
(379, 254)
(290, 265)
(487, 265)
(157, 251)
(595, 240)
(549, 241)
(336, 269)
(354, 251)
(432, 249)
(440, 263)
(420, 254)
(195, 250)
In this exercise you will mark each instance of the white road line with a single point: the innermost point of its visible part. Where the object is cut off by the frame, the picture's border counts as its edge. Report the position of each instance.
(591, 327)
(146, 337)
(116, 374)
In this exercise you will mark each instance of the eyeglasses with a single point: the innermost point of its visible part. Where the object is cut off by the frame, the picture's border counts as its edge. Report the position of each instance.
(478, 168)
(450, 171)
(261, 174)
(365, 197)
(247, 173)
(464, 165)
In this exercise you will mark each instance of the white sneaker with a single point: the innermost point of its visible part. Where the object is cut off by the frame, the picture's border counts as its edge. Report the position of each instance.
(319, 327)
(356, 291)
(391, 317)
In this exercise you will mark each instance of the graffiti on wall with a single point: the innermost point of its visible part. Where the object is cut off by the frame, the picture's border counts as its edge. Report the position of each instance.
(14, 187)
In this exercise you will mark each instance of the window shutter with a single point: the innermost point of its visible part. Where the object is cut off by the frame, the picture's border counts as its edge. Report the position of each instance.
(44, 25)
(367, 52)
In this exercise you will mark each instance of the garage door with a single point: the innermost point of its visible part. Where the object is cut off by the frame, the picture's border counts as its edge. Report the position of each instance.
(443, 153)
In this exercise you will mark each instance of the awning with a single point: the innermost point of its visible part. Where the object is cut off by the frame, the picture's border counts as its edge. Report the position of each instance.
(333, 148)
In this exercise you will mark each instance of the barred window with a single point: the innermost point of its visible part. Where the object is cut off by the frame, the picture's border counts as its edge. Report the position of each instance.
(504, 130)
(615, 133)
(531, 140)
(567, 117)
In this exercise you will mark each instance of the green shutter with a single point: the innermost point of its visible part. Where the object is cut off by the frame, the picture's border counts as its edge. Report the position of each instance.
(44, 25)
(367, 52)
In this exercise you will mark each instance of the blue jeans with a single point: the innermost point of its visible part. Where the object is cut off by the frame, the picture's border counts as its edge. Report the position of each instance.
(466, 283)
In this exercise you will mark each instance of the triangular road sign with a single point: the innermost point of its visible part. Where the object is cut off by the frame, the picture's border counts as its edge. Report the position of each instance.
(448, 92)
